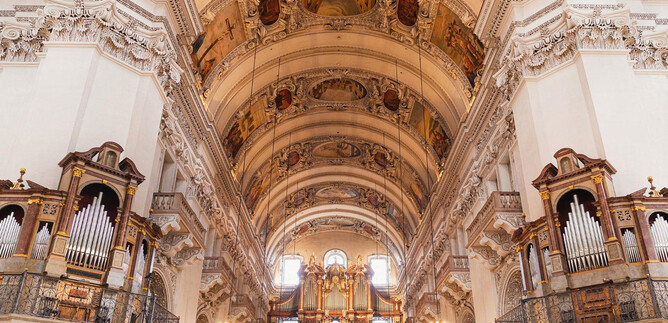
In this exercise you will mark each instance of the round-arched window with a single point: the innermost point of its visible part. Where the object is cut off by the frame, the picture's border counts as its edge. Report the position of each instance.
(335, 256)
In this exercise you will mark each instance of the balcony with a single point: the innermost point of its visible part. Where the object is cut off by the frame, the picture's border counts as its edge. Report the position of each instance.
(628, 301)
(215, 271)
(174, 216)
(503, 210)
(427, 306)
(24, 297)
(242, 308)
(456, 270)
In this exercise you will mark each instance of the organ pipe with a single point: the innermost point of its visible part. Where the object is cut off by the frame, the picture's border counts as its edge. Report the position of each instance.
(631, 246)
(583, 240)
(534, 268)
(659, 231)
(9, 235)
(41, 243)
(89, 244)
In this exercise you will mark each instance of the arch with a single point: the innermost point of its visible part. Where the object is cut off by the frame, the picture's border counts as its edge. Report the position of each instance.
(16, 209)
(569, 193)
(511, 291)
(202, 318)
(110, 197)
(335, 256)
(159, 290)
(585, 197)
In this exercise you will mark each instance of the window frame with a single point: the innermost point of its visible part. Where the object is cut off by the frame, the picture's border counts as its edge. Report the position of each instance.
(387, 281)
(281, 270)
(335, 252)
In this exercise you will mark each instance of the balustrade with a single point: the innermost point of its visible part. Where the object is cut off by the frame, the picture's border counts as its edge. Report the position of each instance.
(166, 204)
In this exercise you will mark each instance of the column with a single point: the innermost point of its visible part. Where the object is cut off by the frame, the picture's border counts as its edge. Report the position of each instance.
(18, 262)
(115, 276)
(613, 247)
(642, 222)
(559, 282)
(56, 265)
(27, 228)
(133, 261)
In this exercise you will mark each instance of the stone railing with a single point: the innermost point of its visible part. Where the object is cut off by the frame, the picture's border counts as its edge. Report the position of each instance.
(55, 299)
(175, 203)
(217, 265)
(453, 264)
(242, 303)
(497, 202)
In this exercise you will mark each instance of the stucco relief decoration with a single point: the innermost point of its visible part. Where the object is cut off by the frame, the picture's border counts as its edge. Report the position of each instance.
(263, 27)
(350, 90)
(325, 151)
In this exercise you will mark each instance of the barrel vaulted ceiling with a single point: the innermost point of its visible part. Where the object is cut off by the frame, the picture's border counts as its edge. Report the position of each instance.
(337, 114)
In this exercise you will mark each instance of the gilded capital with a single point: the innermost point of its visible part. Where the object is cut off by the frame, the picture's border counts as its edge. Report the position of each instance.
(77, 172)
(545, 195)
(598, 178)
(131, 189)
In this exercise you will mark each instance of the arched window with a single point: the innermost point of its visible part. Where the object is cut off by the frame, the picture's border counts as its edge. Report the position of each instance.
(289, 274)
(336, 256)
(381, 270)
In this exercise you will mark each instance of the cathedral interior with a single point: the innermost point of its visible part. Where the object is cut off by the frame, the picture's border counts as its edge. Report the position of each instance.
(334, 161)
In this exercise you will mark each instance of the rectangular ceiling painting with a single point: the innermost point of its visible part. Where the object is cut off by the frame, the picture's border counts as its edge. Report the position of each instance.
(457, 41)
(219, 38)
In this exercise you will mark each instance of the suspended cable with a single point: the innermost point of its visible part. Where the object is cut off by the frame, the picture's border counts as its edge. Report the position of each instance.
(285, 216)
(245, 152)
(425, 111)
(401, 190)
(271, 167)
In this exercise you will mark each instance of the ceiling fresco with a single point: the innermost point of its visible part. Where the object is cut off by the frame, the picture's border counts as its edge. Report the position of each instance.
(338, 8)
(224, 33)
(367, 94)
(345, 224)
(458, 41)
(345, 194)
(370, 156)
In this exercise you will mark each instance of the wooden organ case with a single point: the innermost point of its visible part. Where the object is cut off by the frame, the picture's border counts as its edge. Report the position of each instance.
(335, 294)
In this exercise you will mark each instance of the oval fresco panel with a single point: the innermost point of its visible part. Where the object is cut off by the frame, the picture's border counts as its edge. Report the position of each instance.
(336, 150)
(380, 158)
(283, 99)
(391, 100)
(407, 11)
(336, 193)
(338, 8)
(293, 158)
(269, 11)
(339, 90)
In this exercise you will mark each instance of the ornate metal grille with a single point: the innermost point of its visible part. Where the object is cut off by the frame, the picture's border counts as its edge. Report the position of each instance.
(65, 300)
(613, 303)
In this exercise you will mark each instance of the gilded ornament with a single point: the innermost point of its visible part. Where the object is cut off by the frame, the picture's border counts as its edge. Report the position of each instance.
(598, 178)
(77, 172)
(131, 190)
(545, 195)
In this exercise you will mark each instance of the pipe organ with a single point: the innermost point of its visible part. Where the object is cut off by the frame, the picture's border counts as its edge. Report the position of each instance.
(9, 235)
(336, 293)
(583, 240)
(91, 237)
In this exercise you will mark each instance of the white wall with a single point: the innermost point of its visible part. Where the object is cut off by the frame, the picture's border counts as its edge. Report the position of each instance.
(72, 100)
